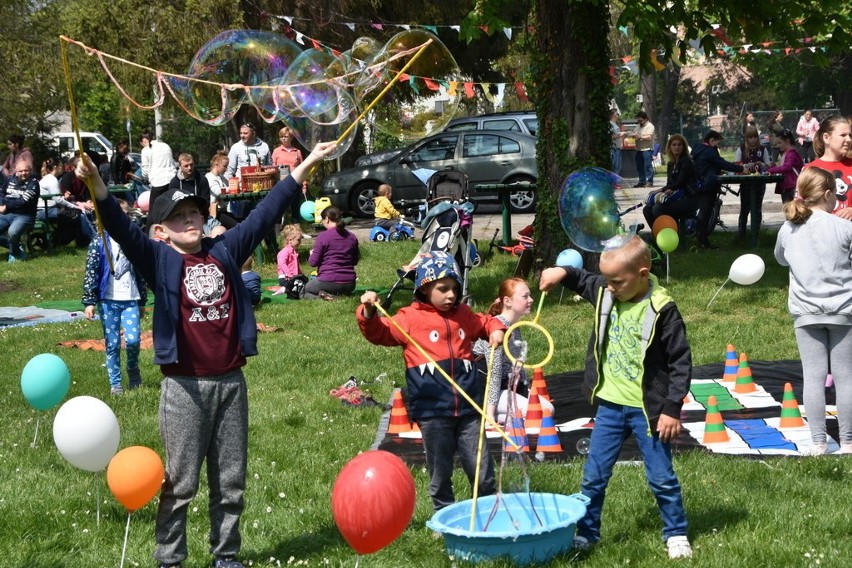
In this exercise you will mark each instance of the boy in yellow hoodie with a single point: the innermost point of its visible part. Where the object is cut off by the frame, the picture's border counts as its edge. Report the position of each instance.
(386, 215)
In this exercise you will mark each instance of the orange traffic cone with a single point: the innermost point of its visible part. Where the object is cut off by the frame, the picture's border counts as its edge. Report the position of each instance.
(714, 426)
(791, 417)
(731, 365)
(539, 384)
(745, 382)
(399, 422)
(548, 437)
(518, 434)
(534, 415)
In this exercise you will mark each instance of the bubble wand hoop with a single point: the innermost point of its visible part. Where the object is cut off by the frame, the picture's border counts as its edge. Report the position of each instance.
(75, 125)
(534, 324)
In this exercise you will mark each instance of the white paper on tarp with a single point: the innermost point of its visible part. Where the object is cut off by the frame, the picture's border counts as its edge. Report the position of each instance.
(423, 174)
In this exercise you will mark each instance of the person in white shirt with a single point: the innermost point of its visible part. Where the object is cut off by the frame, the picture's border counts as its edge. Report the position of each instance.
(249, 151)
(158, 163)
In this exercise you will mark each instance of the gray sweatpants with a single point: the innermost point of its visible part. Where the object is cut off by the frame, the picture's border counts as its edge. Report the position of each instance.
(820, 345)
(202, 418)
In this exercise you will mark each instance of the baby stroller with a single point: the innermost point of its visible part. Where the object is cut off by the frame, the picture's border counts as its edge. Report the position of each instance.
(447, 225)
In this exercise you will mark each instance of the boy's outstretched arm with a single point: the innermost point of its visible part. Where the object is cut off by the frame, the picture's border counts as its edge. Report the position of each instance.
(319, 153)
(550, 277)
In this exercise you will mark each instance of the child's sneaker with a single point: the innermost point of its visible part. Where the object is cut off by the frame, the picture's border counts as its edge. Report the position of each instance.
(116, 391)
(227, 562)
(679, 547)
(815, 450)
(582, 544)
(178, 565)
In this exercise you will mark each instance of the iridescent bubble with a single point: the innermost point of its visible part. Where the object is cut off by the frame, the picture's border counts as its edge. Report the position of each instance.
(583, 445)
(327, 126)
(211, 104)
(307, 80)
(411, 108)
(347, 68)
(238, 58)
(588, 209)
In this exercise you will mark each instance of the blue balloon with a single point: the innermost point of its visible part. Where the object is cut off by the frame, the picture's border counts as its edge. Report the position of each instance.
(569, 257)
(45, 381)
(307, 210)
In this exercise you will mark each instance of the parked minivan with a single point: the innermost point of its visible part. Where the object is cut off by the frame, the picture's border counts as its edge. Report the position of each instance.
(524, 122)
(66, 144)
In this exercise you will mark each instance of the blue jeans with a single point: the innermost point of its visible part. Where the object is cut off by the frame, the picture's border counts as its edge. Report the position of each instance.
(615, 157)
(643, 166)
(14, 225)
(442, 438)
(613, 423)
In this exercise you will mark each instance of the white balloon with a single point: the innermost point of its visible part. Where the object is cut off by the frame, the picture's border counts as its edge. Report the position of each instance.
(86, 433)
(747, 269)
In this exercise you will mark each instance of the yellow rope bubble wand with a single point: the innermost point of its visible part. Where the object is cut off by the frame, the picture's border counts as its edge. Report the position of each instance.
(75, 126)
(534, 324)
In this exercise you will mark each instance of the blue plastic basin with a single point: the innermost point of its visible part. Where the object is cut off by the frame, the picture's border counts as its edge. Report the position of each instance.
(527, 527)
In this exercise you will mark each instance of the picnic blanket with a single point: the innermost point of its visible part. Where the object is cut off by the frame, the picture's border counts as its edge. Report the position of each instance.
(34, 315)
(752, 420)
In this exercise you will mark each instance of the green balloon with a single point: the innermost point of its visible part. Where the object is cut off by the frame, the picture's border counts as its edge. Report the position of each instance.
(667, 240)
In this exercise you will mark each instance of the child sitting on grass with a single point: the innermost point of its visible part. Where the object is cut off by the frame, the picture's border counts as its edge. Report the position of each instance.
(290, 276)
(445, 329)
(638, 371)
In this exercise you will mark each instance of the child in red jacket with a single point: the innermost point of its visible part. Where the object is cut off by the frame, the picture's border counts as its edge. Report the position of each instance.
(446, 330)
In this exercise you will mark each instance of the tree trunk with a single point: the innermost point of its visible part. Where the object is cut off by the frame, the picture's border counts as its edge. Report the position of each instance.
(648, 89)
(671, 78)
(572, 89)
(843, 96)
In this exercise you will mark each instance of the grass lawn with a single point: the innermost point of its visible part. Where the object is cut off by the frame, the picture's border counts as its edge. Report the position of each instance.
(742, 512)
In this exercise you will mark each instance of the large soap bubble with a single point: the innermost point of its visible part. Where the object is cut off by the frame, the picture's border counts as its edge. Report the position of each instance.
(237, 57)
(407, 110)
(588, 207)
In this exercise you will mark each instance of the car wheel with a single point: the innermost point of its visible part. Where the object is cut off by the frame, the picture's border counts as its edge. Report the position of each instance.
(362, 200)
(522, 200)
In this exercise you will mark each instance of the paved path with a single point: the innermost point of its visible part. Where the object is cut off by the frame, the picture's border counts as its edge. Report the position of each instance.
(489, 217)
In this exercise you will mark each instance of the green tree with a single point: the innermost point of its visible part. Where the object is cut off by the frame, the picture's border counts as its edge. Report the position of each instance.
(572, 89)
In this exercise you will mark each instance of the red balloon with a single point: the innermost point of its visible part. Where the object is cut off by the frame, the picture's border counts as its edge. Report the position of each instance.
(134, 476)
(373, 500)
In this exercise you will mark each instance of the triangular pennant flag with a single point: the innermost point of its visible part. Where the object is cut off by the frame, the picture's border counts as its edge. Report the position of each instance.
(351, 26)
(431, 85)
(522, 92)
(433, 29)
(656, 62)
(300, 39)
(468, 90)
(377, 26)
(486, 90)
(317, 45)
(288, 19)
(406, 27)
(508, 32)
(404, 76)
(451, 91)
(484, 28)
(456, 28)
(412, 82)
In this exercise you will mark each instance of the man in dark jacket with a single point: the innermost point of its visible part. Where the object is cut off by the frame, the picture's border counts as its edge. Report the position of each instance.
(708, 165)
(18, 205)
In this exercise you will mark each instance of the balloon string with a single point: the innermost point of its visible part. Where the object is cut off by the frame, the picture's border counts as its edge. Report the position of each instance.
(540, 305)
(481, 439)
(667, 269)
(124, 547)
(97, 502)
(717, 292)
(446, 375)
(33, 445)
(75, 125)
(387, 88)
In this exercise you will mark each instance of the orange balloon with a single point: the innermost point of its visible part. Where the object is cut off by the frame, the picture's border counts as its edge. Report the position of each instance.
(663, 222)
(134, 476)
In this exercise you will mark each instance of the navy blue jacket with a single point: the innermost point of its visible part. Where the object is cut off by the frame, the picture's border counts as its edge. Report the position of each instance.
(709, 164)
(20, 196)
(162, 266)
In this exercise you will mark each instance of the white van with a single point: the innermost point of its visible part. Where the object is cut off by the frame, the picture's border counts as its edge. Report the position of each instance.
(66, 144)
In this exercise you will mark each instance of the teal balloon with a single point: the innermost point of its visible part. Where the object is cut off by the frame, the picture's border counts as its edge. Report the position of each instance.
(667, 240)
(307, 210)
(569, 257)
(45, 381)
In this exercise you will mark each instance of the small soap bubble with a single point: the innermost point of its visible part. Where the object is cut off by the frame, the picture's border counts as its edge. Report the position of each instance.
(583, 446)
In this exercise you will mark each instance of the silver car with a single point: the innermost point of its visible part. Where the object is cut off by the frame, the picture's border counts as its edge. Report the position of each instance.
(486, 158)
